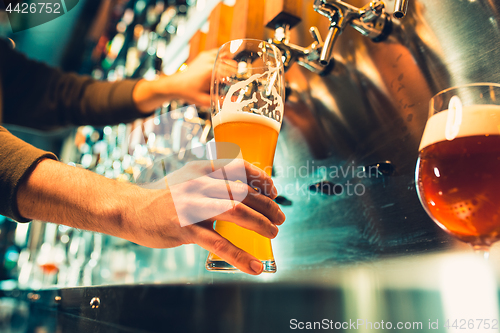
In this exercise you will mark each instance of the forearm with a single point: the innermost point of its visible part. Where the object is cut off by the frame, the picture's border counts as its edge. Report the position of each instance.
(35, 95)
(75, 197)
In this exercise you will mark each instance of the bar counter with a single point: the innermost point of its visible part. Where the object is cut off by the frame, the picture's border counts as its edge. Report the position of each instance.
(427, 289)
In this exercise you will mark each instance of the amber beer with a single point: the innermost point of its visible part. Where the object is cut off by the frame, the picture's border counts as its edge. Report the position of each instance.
(256, 135)
(459, 180)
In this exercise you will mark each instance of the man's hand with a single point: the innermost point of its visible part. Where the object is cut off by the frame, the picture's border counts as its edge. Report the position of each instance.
(59, 193)
(191, 85)
(199, 194)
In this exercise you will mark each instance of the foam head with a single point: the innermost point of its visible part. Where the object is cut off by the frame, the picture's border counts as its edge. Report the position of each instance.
(473, 120)
(247, 117)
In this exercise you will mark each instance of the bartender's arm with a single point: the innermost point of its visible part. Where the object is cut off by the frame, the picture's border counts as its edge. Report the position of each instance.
(82, 199)
(33, 185)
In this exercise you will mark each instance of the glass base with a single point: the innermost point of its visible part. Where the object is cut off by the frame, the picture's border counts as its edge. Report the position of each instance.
(222, 266)
(482, 251)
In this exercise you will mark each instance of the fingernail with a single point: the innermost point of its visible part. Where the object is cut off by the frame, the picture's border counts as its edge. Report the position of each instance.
(274, 230)
(281, 216)
(256, 266)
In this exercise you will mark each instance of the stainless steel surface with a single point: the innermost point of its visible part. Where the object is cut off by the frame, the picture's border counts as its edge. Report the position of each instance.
(400, 8)
(371, 108)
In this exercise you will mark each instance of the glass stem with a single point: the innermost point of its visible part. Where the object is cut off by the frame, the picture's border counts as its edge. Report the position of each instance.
(482, 250)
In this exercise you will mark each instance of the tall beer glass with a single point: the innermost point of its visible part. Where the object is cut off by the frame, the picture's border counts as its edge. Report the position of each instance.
(459, 163)
(247, 100)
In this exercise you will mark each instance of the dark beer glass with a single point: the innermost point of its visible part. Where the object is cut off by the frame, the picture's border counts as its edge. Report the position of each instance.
(458, 169)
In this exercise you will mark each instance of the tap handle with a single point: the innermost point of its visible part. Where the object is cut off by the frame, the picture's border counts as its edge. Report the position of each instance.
(400, 8)
(372, 11)
(316, 35)
(278, 13)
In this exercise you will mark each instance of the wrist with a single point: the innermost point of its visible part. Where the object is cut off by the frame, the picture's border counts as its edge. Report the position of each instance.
(168, 87)
(140, 213)
(149, 95)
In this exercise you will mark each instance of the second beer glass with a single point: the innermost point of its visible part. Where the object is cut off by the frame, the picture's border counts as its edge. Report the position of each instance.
(247, 110)
(457, 170)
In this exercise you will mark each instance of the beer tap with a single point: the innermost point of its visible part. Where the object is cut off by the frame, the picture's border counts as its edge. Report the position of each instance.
(370, 20)
(304, 56)
(400, 8)
(281, 16)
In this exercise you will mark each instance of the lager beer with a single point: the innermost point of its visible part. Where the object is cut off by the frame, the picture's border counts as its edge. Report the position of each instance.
(247, 100)
(256, 135)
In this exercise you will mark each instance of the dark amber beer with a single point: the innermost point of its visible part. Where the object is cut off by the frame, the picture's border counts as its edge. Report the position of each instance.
(459, 179)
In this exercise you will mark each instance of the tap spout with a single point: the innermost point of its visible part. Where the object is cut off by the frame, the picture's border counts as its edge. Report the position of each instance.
(327, 50)
(400, 8)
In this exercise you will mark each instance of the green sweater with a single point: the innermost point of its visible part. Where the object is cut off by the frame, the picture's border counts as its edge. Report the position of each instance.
(37, 96)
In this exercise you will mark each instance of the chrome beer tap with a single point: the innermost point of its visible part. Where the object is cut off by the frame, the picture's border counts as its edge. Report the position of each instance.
(306, 57)
(400, 8)
(370, 20)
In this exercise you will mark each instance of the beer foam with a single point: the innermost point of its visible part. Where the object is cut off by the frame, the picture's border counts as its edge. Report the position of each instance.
(242, 116)
(476, 120)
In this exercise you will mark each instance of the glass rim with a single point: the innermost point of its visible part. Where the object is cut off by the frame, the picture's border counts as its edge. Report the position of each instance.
(274, 47)
(476, 84)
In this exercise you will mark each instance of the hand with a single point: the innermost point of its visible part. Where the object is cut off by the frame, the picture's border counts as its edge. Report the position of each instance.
(191, 85)
(150, 214)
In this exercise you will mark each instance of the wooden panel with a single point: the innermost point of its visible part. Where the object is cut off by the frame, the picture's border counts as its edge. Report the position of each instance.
(220, 21)
(196, 45)
(248, 19)
(280, 12)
